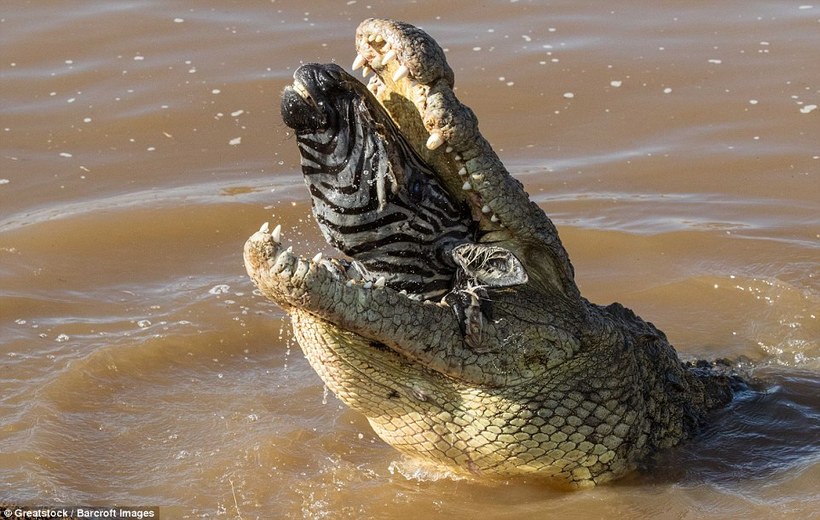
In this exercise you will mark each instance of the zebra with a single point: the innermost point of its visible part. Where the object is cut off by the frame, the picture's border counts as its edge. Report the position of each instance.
(372, 195)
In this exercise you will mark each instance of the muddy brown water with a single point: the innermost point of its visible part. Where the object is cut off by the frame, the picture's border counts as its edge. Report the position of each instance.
(676, 145)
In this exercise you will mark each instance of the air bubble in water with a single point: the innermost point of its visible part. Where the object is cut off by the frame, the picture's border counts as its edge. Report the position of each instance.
(220, 289)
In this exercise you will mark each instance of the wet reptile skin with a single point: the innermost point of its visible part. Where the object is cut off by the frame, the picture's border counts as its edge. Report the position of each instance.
(554, 386)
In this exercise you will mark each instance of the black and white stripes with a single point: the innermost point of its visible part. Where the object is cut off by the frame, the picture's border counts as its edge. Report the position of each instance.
(373, 197)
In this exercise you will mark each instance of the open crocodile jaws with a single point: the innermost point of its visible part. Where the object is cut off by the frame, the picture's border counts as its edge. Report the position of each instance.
(512, 372)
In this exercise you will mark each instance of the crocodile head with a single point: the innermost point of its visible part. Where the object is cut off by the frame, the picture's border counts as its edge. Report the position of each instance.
(511, 371)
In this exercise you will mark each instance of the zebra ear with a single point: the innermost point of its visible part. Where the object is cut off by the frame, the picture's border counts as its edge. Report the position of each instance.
(491, 266)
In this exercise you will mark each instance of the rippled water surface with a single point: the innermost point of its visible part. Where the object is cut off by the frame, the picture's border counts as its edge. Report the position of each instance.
(675, 145)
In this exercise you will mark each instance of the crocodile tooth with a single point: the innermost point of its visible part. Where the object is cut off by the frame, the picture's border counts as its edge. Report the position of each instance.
(378, 38)
(276, 234)
(434, 141)
(317, 258)
(365, 71)
(349, 283)
(494, 218)
(466, 186)
(403, 292)
(401, 72)
(462, 171)
(486, 209)
(371, 37)
(380, 282)
(449, 149)
(376, 62)
(359, 62)
(368, 285)
(264, 228)
(388, 56)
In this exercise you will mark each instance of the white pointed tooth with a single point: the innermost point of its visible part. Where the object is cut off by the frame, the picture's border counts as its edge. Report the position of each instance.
(388, 56)
(365, 71)
(494, 218)
(434, 141)
(449, 149)
(349, 283)
(466, 186)
(486, 209)
(276, 234)
(371, 37)
(462, 171)
(401, 72)
(317, 258)
(376, 62)
(403, 292)
(368, 285)
(264, 228)
(378, 38)
(456, 157)
(380, 282)
(359, 62)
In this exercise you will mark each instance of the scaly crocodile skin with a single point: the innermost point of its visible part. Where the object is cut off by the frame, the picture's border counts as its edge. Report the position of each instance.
(551, 385)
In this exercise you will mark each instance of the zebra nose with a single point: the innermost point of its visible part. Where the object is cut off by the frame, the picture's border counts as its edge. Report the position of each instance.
(321, 80)
(308, 105)
(300, 113)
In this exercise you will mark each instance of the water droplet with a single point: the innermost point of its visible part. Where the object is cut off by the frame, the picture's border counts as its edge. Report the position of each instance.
(220, 289)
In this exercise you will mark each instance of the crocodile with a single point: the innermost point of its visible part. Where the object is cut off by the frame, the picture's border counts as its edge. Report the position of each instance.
(491, 362)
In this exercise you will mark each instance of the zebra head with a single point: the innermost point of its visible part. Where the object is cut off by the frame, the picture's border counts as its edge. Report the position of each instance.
(373, 197)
